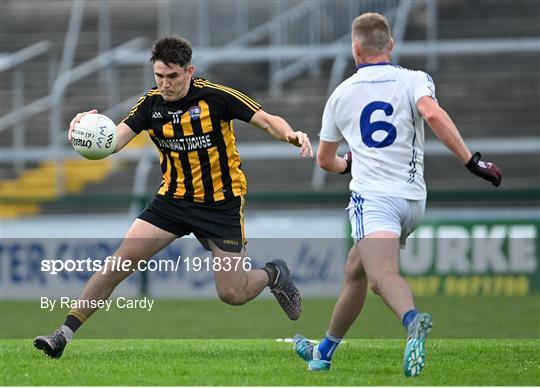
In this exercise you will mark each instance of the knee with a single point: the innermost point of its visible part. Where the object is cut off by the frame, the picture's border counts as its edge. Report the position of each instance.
(374, 287)
(376, 280)
(354, 271)
(232, 296)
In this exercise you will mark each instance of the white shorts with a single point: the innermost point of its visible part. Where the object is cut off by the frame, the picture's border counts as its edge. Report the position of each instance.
(392, 214)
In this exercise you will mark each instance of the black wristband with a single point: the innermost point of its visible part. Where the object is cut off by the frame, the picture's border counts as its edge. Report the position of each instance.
(348, 159)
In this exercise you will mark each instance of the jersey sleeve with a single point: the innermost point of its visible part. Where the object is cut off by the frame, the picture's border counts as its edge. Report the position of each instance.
(423, 85)
(137, 119)
(329, 130)
(237, 104)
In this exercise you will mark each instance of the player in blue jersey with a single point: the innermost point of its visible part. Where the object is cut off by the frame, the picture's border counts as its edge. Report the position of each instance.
(379, 111)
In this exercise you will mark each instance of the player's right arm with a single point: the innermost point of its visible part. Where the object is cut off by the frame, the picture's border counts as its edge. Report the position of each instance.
(447, 132)
(443, 127)
(328, 159)
(330, 137)
(124, 132)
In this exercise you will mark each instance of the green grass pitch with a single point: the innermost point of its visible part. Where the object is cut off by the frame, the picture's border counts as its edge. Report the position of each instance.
(475, 341)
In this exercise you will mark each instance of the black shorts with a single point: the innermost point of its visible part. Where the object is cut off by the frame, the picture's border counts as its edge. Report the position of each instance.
(222, 222)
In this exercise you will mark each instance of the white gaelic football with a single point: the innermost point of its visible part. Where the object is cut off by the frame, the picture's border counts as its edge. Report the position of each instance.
(94, 137)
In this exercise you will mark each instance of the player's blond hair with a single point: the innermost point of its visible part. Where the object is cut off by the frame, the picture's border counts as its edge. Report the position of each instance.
(372, 32)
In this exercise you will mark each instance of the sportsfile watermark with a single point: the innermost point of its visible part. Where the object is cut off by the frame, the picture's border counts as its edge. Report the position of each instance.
(114, 263)
(121, 303)
(477, 281)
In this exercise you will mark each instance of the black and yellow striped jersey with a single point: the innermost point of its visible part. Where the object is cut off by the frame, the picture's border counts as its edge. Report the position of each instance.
(195, 139)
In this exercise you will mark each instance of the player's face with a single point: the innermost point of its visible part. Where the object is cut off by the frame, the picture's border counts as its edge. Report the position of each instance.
(172, 80)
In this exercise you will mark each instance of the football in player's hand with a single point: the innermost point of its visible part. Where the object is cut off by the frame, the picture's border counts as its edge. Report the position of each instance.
(94, 137)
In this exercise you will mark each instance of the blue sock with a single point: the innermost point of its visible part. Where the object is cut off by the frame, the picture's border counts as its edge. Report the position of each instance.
(327, 347)
(408, 317)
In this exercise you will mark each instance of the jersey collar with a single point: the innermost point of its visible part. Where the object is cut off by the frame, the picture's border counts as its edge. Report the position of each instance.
(358, 67)
(188, 94)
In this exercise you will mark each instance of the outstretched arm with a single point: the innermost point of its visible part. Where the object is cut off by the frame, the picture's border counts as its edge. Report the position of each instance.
(447, 132)
(281, 130)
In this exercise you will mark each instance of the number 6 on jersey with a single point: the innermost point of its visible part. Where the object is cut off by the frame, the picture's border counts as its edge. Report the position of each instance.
(368, 128)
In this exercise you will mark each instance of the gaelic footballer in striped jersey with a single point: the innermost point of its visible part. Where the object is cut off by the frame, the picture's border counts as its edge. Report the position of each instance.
(196, 141)
(190, 121)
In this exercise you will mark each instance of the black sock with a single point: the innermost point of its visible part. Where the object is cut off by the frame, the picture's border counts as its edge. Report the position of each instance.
(272, 272)
(73, 322)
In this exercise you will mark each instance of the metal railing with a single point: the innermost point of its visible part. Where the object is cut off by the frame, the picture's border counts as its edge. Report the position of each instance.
(281, 151)
(120, 54)
(16, 62)
(259, 151)
(128, 54)
(296, 57)
(106, 59)
(293, 24)
(282, 73)
(11, 60)
(54, 103)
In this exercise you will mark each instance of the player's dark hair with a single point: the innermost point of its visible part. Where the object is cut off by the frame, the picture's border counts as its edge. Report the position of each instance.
(172, 49)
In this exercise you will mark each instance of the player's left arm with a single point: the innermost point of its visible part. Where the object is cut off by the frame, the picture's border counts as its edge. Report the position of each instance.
(447, 132)
(125, 135)
(281, 130)
(443, 127)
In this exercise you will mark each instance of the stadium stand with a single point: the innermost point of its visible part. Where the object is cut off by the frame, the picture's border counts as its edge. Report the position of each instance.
(488, 95)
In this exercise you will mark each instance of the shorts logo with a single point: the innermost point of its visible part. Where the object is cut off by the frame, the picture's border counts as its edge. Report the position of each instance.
(230, 242)
(195, 112)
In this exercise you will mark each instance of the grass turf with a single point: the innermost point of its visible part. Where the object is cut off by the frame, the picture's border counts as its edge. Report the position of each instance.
(266, 362)
(475, 341)
(455, 318)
